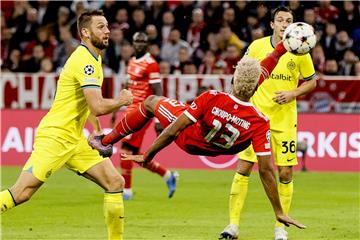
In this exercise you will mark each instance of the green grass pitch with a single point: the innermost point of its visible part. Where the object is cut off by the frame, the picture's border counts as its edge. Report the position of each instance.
(70, 207)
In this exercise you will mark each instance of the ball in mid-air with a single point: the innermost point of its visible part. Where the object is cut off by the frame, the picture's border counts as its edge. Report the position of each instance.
(299, 38)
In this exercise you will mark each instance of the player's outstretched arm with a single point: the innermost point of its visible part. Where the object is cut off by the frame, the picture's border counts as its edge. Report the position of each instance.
(101, 106)
(267, 175)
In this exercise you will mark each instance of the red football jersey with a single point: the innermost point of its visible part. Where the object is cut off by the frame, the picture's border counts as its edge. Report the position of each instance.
(142, 73)
(224, 125)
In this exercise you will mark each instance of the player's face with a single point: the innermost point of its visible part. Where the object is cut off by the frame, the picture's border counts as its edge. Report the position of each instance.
(140, 44)
(280, 23)
(99, 34)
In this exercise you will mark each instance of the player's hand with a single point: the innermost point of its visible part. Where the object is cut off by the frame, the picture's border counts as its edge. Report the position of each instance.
(283, 97)
(126, 97)
(289, 221)
(136, 158)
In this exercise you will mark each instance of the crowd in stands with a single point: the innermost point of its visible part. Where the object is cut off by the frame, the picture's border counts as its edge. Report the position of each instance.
(187, 37)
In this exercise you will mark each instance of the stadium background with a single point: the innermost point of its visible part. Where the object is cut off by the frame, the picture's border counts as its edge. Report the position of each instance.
(209, 37)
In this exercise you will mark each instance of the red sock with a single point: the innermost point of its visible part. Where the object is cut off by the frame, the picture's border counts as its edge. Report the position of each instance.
(269, 63)
(126, 172)
(131, 122)
(155, 167)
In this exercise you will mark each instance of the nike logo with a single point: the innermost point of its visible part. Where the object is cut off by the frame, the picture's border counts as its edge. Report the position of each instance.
(289, 160)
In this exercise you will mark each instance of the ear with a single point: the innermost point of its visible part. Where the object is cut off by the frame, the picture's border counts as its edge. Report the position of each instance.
(272, 24)
(85, 32)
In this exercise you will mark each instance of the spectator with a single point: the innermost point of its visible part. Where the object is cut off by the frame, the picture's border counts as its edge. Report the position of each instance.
(46, 65)
(213, 12)
(26, 30)
(63, 19)
(121, 21)
(326, 12)
(343, 42)
(43, 38)
(220, 67)
(189, 68)
(347, 65)
(170, 50)
(208, 64)
(349, 18)
(182, 14)
(296, 7)
(230, 20)
(154, 50)
(153, 36)
(196, 28)
(33, 64)
(227, 37)
(65, 48)
(138, 21)
(183, 58)
(310, 18)
(13, 62)
(231, 57)
(109, 8)
(46, 12)
(168, 24)
(126, 53)
(257, 33)
(331, 67)
(156, 12)
(318, 57)
(263, 16)
(165, 68)
(112, 53)
(329, 39)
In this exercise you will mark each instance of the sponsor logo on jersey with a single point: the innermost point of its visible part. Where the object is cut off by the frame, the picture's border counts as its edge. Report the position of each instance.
(280, 77)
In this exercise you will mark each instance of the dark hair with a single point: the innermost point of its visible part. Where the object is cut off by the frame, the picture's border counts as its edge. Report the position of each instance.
(84, 19)
(280, 9)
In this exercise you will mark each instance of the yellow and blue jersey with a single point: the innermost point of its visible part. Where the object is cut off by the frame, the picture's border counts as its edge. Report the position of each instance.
(285, 77)
(69, 111)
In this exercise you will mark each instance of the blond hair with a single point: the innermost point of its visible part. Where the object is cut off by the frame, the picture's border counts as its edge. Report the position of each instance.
(246, 76)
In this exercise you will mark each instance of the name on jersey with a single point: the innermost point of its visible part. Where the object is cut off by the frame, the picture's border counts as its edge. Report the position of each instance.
(230, 118)
(280, 77)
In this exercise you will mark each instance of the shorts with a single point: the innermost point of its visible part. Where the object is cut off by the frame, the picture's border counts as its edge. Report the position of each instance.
(283, 145)
(168, 110)
(50, 154)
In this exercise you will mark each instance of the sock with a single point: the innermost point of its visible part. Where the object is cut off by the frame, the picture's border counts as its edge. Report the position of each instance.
(269, 63)
(126, 172)
(131, 122)
(155, 167)
(6, 200)
(238, 194)
(285, 193)
(114, 215)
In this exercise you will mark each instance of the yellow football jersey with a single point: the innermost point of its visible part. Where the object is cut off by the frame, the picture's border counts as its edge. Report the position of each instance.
(69, 111)
(285, 77)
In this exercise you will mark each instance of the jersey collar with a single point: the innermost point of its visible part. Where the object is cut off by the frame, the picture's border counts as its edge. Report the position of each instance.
(92, 53)
(239, 101)
(142, 58)
(272, 41)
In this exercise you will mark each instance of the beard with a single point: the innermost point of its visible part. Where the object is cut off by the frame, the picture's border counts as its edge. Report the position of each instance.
(98, 43)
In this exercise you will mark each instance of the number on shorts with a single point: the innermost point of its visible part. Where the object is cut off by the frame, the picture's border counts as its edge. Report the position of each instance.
(288, 146)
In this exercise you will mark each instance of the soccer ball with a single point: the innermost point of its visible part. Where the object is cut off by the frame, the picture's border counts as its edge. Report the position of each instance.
(299, 38)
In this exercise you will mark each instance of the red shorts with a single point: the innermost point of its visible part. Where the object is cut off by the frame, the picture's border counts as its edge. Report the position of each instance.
(135, 139)
(168, 110)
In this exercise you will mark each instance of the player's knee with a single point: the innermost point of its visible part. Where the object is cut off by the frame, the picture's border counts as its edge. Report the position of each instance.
(115, 183)
(150, 102)
(285, 174)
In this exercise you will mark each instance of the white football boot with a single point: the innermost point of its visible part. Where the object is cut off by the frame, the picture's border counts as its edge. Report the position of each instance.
(230, 232)
(281, 233)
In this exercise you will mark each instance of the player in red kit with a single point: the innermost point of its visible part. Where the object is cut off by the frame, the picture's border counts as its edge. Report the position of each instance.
(216, 123)
(144, 80)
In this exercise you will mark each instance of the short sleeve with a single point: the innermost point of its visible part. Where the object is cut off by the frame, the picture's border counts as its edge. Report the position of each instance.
(87, 75)
(261, 139)
(197, 107)
(154, 73)
(307, 69)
